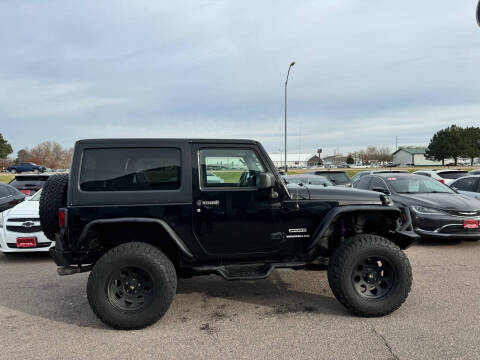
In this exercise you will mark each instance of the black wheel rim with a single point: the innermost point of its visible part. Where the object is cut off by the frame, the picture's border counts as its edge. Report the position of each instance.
(373, 277)
(130, 289)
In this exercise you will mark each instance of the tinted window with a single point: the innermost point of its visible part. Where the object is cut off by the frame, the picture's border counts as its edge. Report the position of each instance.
(229, 167)
(377, 183)
(417, 185)
(4, 191)
(130, 169)
(28, 181)
(318, 180)
(466, 184)
(337, 178)
(363, 183)
(452, 174)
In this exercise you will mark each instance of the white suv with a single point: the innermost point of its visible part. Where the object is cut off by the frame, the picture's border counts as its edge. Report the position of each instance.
(20, 229)
(446, 176)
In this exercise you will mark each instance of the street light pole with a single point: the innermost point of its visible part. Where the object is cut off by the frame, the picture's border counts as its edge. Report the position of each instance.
(286, 83)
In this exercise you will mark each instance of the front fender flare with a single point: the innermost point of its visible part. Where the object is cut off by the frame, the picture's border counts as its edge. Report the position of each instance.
(333, 214)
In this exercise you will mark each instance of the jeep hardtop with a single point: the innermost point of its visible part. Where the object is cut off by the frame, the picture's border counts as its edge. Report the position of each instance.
(140, 213)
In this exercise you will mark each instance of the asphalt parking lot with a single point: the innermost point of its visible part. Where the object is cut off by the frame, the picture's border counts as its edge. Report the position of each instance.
(291, 315)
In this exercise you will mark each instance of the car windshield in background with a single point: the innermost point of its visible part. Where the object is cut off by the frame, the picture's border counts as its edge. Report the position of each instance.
(28, 181)
(452, 174)
(338, 178)
(406, 185)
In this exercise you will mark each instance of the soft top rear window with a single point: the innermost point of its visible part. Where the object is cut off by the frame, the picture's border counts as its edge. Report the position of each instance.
(130, 169)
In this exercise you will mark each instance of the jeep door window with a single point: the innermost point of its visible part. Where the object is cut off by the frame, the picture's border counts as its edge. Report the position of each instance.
(130, 169)
(229, 167)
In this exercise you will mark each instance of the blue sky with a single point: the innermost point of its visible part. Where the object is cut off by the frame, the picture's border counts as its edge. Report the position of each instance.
(366, 71)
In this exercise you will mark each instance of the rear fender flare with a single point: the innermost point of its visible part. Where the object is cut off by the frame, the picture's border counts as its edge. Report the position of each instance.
(175, 237)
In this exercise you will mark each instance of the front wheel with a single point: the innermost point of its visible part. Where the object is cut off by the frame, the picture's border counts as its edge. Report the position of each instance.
(132, 286)
(370, 275)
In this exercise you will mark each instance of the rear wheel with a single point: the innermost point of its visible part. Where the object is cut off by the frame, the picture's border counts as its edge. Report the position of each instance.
(132, 286)
(370, 275)
(54, 196)
(36, 171)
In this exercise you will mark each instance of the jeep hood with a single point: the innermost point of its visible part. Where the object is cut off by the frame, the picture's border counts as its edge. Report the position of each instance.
(344, 196)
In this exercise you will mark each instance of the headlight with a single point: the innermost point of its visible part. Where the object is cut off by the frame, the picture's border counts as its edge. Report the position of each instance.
(426, 210)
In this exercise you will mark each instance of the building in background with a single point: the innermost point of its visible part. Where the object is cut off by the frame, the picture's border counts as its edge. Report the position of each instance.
(414, 156)
(296, 160)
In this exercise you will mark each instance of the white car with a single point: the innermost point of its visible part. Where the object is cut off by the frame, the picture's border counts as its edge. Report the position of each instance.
(444, 176)
(20, 229)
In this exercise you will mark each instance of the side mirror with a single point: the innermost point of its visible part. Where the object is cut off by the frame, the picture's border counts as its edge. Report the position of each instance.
(265, 180)
(381, 190)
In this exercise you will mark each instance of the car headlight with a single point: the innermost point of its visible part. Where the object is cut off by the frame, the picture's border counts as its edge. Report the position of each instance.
(426, 210)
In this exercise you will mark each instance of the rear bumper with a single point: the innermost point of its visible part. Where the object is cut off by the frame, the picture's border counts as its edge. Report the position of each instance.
(58, 253)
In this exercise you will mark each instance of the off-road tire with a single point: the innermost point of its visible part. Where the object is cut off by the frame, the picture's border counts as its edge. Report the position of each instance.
(54, 196)
(142, 255)
(343, 262)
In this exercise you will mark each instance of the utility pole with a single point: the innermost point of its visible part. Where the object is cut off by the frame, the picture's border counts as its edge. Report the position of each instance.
(286, 83)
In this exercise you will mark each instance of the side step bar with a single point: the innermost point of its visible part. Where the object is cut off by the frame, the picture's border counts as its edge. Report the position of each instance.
(247, 271)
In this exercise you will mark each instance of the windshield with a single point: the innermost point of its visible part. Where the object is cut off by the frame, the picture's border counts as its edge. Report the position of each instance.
(452, 174)
(338, 178)
(407, 185)
(36, 197)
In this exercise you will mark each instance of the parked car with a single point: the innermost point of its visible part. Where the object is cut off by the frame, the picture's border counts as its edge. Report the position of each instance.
(9, 197)
(468, 185)
(338, 178)
(306, 179)
(138, 237)
(20, 229)
(26, 167)
(29, 184)
(212, 178)
(444, 176)
(430, 208)
(361, 174)
(474, 172)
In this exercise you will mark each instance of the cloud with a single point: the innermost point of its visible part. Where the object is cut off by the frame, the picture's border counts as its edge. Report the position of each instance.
(366, 71)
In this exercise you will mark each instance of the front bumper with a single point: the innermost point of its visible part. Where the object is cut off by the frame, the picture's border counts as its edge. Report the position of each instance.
(444, 227)
(8, 242)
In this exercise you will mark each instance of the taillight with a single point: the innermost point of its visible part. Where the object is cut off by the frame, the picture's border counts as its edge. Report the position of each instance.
(26, 192)
(61, 218)
(442, 181)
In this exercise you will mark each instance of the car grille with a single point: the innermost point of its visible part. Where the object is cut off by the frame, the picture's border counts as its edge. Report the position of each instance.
(18, 225)
(24, 229)
(39, 245)
(463, 213)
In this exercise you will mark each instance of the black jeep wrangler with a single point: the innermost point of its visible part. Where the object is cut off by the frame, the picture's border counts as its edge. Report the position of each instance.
(140, 213)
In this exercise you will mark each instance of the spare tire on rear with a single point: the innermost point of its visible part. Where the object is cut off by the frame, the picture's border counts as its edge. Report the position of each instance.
(54, 197)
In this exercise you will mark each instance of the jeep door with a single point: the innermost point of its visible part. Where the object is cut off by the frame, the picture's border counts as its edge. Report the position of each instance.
(231, 216)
